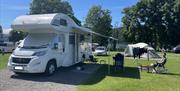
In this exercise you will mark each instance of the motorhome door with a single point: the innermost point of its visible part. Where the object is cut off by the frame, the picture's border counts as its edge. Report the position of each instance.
(72, 47)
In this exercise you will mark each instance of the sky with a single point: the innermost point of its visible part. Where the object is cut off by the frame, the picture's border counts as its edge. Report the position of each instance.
(10, 9)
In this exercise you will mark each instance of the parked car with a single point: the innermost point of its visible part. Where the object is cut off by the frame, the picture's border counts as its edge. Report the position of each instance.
(101, 50)
(176, 49)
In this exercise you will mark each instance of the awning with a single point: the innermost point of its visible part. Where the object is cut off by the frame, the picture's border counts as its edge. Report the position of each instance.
(88, 31)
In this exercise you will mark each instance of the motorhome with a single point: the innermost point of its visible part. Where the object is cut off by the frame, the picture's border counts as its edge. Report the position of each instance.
(53, 40)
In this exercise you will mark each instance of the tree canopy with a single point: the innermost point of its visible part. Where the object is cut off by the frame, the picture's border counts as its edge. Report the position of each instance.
(99, 20)
(15, 35)
(52, 6)
(155, 22)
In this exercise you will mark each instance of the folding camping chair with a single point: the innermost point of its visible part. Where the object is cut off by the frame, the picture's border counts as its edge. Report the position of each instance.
(160, 67)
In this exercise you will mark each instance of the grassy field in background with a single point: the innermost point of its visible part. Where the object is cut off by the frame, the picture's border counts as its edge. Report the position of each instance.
(3, 60)
(134, 80)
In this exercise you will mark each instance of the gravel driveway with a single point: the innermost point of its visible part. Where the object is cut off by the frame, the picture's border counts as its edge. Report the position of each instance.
(65, 79)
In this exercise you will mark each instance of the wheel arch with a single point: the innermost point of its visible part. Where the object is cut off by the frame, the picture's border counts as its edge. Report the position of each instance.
(53, 60)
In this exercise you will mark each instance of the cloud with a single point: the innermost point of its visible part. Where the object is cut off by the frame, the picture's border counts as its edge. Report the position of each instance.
(7, 31)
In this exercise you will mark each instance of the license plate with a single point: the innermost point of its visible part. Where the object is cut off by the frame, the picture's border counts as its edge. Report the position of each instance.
(18, 68)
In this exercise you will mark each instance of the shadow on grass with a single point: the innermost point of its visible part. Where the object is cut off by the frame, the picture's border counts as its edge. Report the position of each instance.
(172, 74)
(92, 74)
(64, 75)
(129, 72)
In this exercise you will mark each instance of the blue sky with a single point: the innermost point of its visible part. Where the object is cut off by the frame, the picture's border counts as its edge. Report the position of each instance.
(10, 9)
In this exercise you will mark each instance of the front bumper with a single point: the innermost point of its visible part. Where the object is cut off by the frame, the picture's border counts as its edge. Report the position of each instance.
(101, 53)
(34, 66)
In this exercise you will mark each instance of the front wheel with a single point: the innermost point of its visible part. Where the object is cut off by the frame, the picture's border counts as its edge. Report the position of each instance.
(50, 68)
(18, 73)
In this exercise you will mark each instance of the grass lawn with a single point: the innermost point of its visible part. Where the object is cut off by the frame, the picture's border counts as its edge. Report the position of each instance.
(134, 80)
(131, 79)
(3, 60)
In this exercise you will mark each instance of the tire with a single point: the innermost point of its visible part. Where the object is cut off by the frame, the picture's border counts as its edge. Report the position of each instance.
(50, 68)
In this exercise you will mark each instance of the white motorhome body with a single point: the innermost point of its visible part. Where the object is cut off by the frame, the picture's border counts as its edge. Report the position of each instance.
(53, 40)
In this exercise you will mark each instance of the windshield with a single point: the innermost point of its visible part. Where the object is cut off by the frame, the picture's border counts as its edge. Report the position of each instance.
(37, 41)
(100, 48)
(33, 47)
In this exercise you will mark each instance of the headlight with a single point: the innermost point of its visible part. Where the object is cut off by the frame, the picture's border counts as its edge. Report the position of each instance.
(40, 53)
(9, 61)
(174, 48)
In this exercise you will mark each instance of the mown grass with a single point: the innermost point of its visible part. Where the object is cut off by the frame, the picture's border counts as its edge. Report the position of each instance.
(129, 80)
(132, 79)
(3, 60)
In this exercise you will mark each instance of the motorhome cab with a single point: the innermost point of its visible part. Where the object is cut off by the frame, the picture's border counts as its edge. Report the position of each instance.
(53, 40)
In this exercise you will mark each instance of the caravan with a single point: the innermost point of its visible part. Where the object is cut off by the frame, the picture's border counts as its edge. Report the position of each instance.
(53, 40)
(7, 47)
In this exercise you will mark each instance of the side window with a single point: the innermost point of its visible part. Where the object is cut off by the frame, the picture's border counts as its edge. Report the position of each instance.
(59, 39)
(63, 22)
(58, 22)
(71, 39)
(3, 44)
(55, 22)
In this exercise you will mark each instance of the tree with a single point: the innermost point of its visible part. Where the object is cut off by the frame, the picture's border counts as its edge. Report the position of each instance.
(99, 20)
(52, 6)
(117, 33)
(16, 35)
(155, 22)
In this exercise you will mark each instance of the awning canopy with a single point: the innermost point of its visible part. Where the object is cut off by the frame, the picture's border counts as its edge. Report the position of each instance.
(42, 23)
(86, 30)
